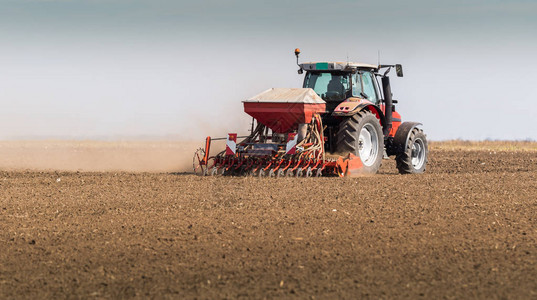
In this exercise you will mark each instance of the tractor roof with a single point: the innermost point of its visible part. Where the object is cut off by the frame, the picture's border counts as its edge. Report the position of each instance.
(336, 66)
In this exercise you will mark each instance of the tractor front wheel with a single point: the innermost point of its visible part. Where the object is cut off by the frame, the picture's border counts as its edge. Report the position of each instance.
(361, 135)
(414, 158)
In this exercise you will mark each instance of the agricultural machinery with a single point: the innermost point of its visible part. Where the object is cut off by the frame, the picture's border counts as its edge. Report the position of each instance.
(342, 122)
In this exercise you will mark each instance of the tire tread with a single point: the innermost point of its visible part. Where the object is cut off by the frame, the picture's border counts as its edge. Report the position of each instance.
(404, 159)
(348, 133)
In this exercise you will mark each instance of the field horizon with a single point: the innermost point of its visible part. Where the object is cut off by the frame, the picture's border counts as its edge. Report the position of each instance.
(156, 155)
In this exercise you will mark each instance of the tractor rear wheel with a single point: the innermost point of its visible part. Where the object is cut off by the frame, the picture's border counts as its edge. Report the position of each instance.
(414, 158)
(362, 136)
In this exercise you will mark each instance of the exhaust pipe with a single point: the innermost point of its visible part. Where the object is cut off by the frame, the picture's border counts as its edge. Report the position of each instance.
(388, 104)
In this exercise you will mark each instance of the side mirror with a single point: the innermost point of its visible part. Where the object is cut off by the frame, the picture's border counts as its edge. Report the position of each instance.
(399, 70)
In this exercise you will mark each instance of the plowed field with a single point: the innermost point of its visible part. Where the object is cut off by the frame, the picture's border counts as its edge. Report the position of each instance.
(467, 228)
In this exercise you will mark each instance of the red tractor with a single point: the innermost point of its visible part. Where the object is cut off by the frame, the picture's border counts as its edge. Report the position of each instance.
(342, 122)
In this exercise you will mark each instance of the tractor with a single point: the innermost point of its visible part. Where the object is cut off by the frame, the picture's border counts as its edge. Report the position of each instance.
(342, 122)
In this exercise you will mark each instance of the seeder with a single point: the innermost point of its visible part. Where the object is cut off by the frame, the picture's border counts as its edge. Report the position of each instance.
(286, 140)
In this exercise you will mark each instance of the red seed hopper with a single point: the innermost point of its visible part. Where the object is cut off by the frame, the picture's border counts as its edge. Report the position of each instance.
(282, 110)
(286, 139)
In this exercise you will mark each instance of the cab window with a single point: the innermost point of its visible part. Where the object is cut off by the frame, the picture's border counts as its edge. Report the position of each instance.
(369, 87)
(356, 85)
(331, 86)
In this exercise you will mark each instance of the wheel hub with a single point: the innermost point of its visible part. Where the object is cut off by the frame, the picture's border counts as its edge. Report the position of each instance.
(368, 145)
(418, 154)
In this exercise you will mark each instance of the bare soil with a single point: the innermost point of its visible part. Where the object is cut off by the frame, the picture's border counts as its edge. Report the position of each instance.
(467, 228)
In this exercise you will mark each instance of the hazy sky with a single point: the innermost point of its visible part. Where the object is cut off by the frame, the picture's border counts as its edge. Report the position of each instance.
(108, 69)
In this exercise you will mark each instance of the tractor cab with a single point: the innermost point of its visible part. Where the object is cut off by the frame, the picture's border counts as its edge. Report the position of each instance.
(335, 82)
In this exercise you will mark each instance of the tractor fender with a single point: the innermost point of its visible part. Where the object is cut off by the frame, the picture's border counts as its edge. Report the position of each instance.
(400, 140)
(350, 108)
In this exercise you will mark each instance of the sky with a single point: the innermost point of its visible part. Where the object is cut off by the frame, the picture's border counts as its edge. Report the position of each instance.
(118, 69)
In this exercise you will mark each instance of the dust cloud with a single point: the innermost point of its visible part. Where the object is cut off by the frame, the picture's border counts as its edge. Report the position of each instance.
(144, 153)
(100, 156)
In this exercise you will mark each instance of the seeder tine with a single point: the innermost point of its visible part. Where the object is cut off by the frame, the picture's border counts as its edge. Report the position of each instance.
(214, 171)
(198, 164)
(309, 173)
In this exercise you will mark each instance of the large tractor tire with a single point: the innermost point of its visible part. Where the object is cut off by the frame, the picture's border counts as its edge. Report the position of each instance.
(361, 135)
(414, 159)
